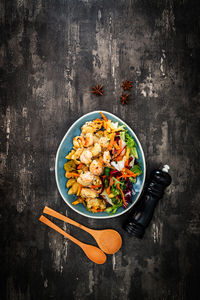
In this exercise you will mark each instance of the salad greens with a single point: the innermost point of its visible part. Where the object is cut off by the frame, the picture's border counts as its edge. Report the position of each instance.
(131, 144)
(112, 210)
(136, 169)
(123, 185)
(106, 171)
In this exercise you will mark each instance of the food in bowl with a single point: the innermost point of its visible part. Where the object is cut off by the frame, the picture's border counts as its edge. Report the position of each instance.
(102, 167)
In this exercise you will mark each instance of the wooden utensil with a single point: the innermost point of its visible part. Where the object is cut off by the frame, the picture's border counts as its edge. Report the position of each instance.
(93, 253)
(108, 240)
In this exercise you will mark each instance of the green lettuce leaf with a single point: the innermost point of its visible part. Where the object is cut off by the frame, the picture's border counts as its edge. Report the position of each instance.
(133, 179)
(134, 152)
(131, 144)
(122, 135)
(136, 169)
(112, 210)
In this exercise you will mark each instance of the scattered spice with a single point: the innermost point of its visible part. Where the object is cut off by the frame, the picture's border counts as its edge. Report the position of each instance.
(97, 90)
(127, 85)
(124, 98)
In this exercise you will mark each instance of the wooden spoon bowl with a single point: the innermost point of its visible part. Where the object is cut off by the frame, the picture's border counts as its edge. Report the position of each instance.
(94, 254)
(108, 240)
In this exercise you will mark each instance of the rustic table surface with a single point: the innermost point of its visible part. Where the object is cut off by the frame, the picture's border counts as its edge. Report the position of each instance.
(51, 53)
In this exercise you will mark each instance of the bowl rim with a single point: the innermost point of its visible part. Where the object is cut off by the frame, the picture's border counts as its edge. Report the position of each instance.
(143, 157)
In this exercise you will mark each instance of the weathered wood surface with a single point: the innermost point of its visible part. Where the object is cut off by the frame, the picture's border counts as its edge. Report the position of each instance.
(51, 53)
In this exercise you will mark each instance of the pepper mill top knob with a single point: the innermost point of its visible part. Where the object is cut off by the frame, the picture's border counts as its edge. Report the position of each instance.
(165, 168)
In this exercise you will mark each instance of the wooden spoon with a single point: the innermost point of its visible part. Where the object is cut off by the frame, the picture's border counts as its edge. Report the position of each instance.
(92, 252)
(108, 240)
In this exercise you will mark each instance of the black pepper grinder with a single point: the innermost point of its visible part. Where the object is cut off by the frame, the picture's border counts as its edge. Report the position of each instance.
(153, 192)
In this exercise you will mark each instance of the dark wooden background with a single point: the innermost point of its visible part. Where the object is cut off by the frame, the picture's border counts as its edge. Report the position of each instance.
(51, 53)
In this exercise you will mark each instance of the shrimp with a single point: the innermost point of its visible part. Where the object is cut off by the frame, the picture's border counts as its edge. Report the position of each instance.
(96, 180)
(85, 179)
(95, 203)
(78, 141)
(77, 154)
(97, 125)
(96, 149)
(106, 157)
(89, 140)
(96, 167)
(99, 133)
(103, 141)
(87, 128)
(88, 193)
(96, 139)
(86, 156)
(91, 127)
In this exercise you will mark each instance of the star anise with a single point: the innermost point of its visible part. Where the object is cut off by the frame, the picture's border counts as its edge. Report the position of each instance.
(127, 85)
(97, 90)
(124, 98)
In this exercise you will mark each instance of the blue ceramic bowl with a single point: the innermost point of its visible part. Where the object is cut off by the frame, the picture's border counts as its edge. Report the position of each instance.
(66, 146)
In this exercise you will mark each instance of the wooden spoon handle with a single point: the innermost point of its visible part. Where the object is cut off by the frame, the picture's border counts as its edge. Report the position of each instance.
(49, 211)
(58, 229)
